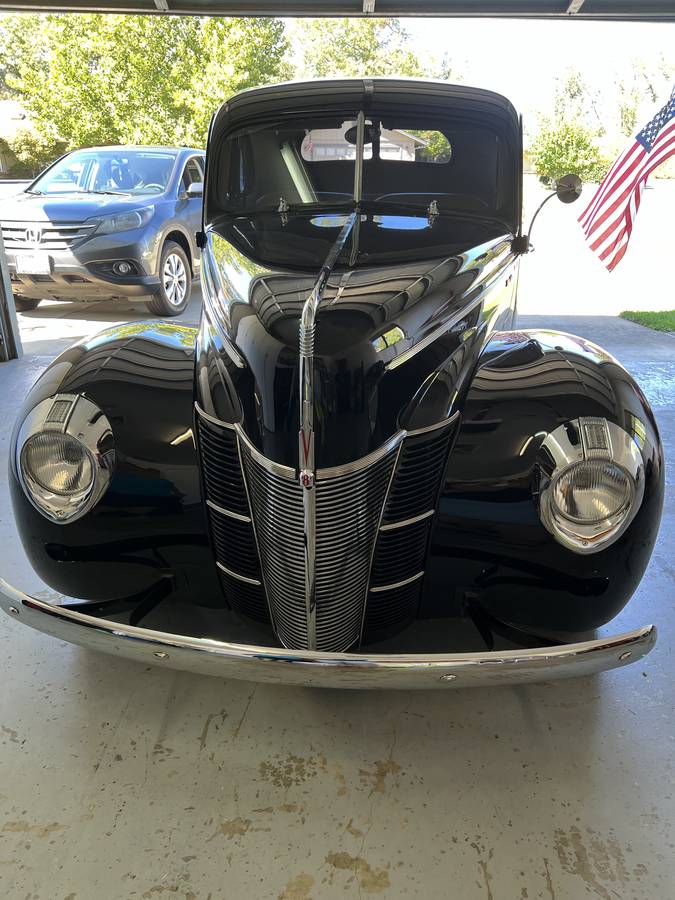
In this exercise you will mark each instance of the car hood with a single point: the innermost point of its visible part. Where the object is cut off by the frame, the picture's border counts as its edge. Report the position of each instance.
(392, 347)
(70, 207)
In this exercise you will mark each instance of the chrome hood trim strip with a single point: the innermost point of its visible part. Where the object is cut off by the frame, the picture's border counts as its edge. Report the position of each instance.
(318, 669)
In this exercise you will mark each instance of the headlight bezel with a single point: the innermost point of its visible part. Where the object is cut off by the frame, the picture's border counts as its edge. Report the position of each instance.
(581, 442)
(82, 421)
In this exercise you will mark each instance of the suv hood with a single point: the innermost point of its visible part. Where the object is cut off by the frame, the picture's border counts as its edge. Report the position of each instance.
(70, 207)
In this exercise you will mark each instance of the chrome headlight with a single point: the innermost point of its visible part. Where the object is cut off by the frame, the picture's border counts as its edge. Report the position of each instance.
(65, 456)
(124, 221)
(591, 483)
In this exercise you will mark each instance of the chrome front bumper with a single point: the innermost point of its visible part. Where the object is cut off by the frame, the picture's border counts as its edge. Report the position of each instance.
(336, 670)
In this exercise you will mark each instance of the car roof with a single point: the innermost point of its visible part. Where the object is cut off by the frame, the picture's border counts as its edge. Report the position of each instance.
(342, 94)
(162, 148)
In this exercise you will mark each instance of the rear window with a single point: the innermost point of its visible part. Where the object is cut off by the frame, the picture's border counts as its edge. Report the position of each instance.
(408, 163)
(415, 145)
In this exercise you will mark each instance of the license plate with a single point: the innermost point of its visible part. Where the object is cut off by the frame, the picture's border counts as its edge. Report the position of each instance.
(33, 264)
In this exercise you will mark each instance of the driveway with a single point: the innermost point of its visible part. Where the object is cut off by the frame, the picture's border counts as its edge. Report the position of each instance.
(139, 782)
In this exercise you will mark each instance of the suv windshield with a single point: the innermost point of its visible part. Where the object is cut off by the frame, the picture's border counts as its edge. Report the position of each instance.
(117, 171)
(408, 162)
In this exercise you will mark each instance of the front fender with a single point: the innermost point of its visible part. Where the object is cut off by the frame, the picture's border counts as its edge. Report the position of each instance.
(150, 524)
(488, 545)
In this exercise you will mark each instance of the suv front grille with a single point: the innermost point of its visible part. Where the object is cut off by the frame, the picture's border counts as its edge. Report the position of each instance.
(52, 235)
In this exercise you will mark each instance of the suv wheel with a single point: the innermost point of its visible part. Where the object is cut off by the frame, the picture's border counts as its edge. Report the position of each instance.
(23, 304)
(175, 282)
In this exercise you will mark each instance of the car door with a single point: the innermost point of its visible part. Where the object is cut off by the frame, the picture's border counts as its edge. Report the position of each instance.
(190, 207)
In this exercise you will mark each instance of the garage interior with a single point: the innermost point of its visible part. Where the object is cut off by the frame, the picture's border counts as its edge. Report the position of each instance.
(122, 780)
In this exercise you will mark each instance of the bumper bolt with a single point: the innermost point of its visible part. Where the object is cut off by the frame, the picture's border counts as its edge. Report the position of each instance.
(448, 677)
(625, 655)
(161, 655)
(13, 610)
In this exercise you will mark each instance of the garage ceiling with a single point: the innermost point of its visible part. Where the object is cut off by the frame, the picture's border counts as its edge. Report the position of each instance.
(635, 10)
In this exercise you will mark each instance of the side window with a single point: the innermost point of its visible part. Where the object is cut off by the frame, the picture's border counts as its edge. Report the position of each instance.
(192, 172)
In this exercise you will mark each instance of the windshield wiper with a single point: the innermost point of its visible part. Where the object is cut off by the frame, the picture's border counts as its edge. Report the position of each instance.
(34, 193)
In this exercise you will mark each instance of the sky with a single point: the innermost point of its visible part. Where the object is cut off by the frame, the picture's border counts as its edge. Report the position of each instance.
(521, 58)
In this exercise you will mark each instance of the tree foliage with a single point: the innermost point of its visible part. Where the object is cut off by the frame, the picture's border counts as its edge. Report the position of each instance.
(102, 79)
(33, 152)
(368, 46)
(567, 146)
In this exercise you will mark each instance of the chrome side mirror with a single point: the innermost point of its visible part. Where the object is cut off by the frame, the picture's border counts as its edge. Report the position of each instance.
(196, 189)
(568, 188)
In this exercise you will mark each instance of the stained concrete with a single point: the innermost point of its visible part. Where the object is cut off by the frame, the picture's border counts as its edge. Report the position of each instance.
(121, 780)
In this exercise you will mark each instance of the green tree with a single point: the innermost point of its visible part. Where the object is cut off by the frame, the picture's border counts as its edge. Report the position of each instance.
(100, 79)
(564, 147)
(366, 46)
(33, 153)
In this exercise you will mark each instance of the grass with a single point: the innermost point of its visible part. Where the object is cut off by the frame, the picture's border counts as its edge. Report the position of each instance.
(659, 321)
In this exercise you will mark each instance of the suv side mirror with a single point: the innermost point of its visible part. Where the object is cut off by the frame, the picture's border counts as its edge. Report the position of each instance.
(196, 189)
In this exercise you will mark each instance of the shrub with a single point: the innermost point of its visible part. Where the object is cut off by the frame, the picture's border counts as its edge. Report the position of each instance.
(567, 147)
(33, 153)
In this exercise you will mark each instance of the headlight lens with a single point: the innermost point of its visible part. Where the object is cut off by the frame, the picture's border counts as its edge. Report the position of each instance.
(592, 491)
(58, 463)
(125, 221)
(590, 483)
(65, 456)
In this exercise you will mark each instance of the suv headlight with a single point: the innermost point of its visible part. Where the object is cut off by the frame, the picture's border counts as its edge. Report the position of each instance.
(65, 456)
(124, 221)
(591, 483)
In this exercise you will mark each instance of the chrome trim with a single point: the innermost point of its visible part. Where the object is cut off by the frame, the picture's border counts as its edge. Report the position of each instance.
(427, 428)
(213, 420)
(83, 421)
(270, 465)
(228, 512)
(239, 577)
(365, 461)
(587, 439)
(392, 526)
(397, 584)
(306, 432)
(316, 669)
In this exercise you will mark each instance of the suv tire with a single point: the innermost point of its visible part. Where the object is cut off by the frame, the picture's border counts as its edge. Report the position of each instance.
(175, 282)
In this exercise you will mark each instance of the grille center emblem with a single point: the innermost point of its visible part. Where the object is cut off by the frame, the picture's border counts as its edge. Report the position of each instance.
(33, 235)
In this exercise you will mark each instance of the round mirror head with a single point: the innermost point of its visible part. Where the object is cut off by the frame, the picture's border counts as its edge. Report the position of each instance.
(351, 134)
(568, 188)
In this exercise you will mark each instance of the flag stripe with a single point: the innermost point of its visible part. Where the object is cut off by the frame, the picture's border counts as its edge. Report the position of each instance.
(608, 220)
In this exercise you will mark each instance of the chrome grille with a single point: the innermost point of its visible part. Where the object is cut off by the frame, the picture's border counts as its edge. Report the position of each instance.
(227, 508)
(276, 503)
(348, 511)
(373, 523)
(53, 235)
(397, 570)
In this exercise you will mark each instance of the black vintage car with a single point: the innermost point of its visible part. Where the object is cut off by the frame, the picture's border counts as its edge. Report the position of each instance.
(356, 472)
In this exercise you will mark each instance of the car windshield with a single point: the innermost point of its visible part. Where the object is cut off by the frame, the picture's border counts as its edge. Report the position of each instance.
(411, 161)
(117, 171)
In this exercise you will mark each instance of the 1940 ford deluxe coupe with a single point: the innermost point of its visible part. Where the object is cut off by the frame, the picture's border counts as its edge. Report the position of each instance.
(354, 472)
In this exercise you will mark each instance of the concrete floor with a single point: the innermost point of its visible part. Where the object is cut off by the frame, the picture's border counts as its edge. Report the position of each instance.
(121, 780)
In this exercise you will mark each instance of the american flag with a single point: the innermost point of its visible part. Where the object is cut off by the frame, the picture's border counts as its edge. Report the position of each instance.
(608, 219)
